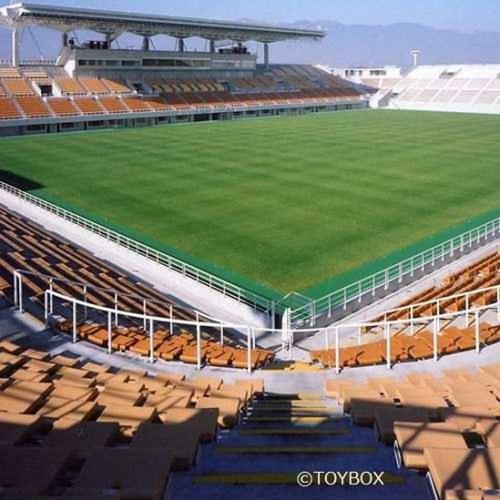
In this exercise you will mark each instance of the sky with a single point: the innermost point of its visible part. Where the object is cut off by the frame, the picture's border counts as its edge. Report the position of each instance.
(459, 15)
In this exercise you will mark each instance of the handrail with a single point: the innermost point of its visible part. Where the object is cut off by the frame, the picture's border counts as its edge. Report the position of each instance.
(242, 295)
(89, 286)
(397, 272)
(287, 336)
(438, 300)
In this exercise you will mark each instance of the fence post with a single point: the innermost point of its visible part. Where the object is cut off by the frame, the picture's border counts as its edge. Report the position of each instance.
(412, 322)
(337, 357)
(249, 351)
(51, 288)
(198, 343)
(221, 334)
(171, 321)
(20, 277)
(359, 335)
(498, 303)
(85, 308)
(46, 307)
(466, 310)
(15, 280)
(388, 340)
(110, 339)
(253, 338)
(151, 341)
(74, 322)
(145, 312)
(116, 309)
(477, 331)
(435, 339)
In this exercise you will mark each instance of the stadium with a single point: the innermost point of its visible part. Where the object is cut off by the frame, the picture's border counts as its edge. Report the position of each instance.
(225, 277)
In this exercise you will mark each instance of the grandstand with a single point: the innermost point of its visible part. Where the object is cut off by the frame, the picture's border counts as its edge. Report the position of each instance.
(296, 307)
(459, 88)
(105, 86)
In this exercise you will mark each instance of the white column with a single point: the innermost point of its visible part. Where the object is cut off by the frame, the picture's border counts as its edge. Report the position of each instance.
(16, 39)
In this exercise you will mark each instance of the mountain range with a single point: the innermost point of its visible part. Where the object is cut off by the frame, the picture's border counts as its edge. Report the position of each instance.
(344, 45)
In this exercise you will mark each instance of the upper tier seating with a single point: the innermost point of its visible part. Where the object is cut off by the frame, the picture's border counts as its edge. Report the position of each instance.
(447, 425)
(70, 86)
(116, 86)
(17, 87)
(10, 73)
(94, 85)
(27, 247)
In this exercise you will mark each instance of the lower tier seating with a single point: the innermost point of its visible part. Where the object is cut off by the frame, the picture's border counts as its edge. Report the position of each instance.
(74, 427)
(447, 426)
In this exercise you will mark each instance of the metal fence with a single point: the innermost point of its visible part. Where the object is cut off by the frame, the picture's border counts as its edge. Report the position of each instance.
(340, 299)
(389, 327)
(256, 301)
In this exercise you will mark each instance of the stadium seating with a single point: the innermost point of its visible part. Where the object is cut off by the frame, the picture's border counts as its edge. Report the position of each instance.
(33, 107)
(61, 106)
(8, 110)
(30, 248)
(407, 345)
(453, 88)
(446, 425)
(73, 427)
(17, 87)
(94, 85)
(283, 85)
(113, 105)
(89, 106)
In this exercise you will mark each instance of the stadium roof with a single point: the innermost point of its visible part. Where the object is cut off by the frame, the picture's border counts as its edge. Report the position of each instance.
(113, 22)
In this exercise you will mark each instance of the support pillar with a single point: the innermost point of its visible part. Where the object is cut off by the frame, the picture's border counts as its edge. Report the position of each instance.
(182, 46)
(212, 46)
(266, 55)
(16, 39)
(145, 43)
(65, 40)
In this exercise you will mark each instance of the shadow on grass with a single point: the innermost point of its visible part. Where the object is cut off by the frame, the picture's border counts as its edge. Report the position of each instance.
(19, 181)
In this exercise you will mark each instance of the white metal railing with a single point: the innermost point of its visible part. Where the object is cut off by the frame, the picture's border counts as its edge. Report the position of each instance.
(437, 303)
(403, 324)
(256, 301)
(116, 294)
(287, 336)
(325, 306)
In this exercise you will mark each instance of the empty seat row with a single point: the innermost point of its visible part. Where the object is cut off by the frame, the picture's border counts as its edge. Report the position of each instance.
(447, 425)
(69, 426)
(71, 271)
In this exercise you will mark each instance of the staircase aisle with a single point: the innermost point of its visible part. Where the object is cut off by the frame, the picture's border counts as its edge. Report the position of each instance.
(282, 435)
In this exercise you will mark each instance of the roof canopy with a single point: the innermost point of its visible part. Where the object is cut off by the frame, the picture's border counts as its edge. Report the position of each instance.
(114, 23)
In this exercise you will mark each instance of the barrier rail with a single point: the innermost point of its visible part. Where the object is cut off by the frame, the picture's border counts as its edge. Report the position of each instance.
(325, 306)
(242, 295)
(287, 336)
(405, 323)
(117, 294)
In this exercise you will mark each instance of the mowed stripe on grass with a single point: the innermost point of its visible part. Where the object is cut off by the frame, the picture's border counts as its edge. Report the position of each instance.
(286, 202)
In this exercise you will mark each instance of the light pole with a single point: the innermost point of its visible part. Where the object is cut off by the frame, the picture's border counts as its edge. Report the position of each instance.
(415, 54)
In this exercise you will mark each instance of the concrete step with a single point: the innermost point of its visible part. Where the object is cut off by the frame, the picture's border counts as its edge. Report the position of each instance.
(283, 450)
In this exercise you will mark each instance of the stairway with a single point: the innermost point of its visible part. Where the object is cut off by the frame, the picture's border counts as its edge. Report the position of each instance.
(281, 435)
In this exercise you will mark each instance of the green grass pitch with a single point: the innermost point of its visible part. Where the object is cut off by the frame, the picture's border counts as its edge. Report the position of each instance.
(287, 202)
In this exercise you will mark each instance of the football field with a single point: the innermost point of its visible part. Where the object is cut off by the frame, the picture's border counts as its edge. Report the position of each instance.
(286, 202)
